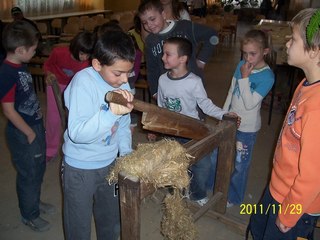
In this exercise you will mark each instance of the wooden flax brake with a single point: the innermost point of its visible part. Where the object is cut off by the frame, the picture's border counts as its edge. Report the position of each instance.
(162, 120)
(204, 139)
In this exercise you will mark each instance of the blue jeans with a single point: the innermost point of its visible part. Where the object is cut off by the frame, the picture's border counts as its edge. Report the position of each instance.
(200, 171)
(87, 192)
(212, 172)
(262, 225)
(239, 177)
(29, 161)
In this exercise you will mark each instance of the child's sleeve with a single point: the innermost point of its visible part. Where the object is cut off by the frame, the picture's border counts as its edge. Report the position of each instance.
(124, 135)
(253, 95)
(305, 189)
(205, 103)
(160, 94)
(208, 37)
(154, 64)
(227, 102)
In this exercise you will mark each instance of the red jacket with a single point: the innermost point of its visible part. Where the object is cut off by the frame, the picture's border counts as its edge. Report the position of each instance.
(63, 65)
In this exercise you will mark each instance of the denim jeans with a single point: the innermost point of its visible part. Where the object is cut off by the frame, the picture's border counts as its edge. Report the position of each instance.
(238, 182)
(29, 161)
(212, 172)
(239, 177)
(262, 224)
(87, 192)
(200, 171)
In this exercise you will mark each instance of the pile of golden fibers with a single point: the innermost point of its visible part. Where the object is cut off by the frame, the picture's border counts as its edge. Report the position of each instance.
(163, 163)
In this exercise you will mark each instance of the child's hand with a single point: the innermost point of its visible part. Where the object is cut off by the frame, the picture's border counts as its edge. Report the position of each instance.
(200, 64)
(232, 114)
(31, 136)
(119, 109)
(246, 69)
(50, 78)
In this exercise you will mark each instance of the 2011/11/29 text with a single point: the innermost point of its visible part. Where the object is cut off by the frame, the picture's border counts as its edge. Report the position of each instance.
(270, 208)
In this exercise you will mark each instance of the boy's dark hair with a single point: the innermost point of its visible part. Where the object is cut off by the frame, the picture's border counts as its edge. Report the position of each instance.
(113, 46)
(149, 4)
(19, 33)
(184, 46)
(82, 42)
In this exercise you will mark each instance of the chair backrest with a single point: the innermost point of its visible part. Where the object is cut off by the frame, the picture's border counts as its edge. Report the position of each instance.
(56, 25)
(43, 28)
(230, 20)
(82, 19)
(89, 24)
(58, 97)
(126, 21)
(73, 20)
(71, 28)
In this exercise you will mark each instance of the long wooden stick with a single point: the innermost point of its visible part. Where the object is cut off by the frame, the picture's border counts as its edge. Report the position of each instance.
(164, 121)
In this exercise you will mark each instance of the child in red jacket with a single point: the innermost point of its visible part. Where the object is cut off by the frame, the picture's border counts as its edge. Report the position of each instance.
(63, 63)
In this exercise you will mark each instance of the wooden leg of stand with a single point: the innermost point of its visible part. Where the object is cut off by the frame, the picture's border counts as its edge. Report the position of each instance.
(129, 207)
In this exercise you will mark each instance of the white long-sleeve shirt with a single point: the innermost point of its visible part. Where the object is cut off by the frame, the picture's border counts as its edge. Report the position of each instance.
(246, 94)
(183, 95)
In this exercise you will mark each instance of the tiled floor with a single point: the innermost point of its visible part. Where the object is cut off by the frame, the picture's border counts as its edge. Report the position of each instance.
(218, 76)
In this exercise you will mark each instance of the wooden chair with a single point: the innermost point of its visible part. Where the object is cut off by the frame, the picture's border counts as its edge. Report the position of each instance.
(56, 26)
(38, 78)
(142, 84)
(126, 21)
(69, 31)
(73, 20)
(82, 19)
(89, 24)
(216, 22)
(229, 26)
(43, 28)
(98, 17)
(58, 97)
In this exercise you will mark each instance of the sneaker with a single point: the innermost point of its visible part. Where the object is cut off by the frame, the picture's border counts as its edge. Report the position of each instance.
(229, 204)
(47, 208)
(38, 224)
(202, 201)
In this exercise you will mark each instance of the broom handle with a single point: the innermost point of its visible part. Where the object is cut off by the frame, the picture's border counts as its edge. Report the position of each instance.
(138, 105)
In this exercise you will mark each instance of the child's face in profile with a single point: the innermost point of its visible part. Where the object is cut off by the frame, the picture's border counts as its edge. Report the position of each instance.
(295, 49)
(153, 21)
(170, 57)
(116, 74)
(253, 54)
